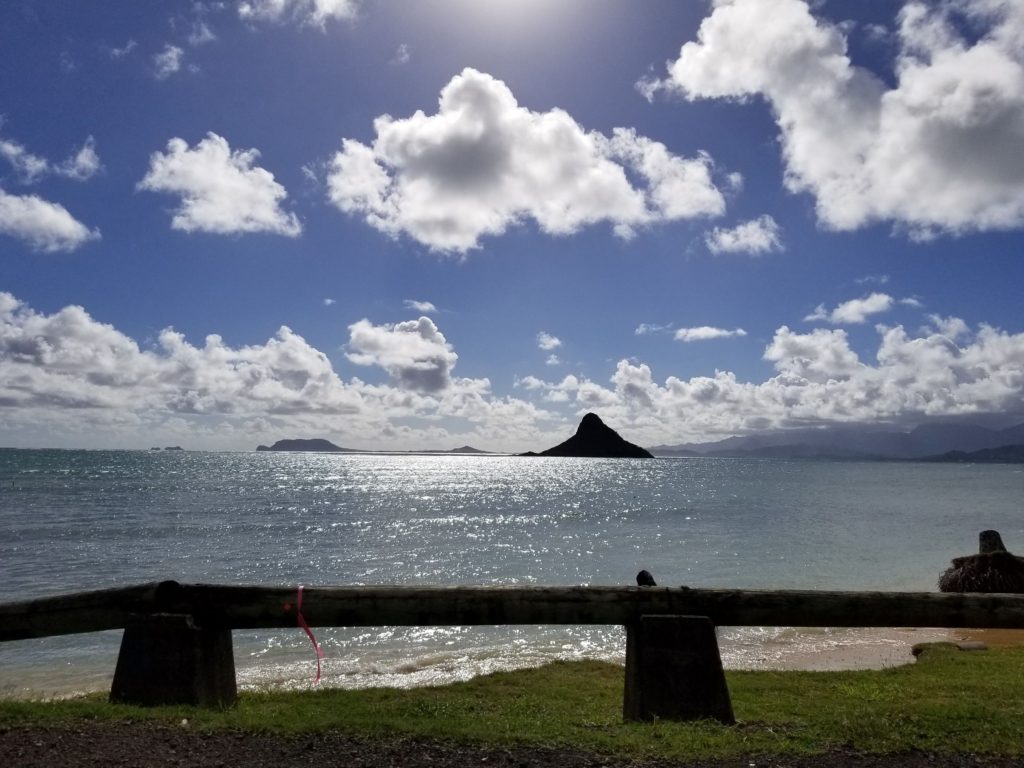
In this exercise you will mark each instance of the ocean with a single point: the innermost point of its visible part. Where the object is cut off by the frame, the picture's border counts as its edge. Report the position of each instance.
(81, 520)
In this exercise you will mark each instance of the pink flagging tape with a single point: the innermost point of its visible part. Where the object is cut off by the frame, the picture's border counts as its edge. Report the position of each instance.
(309, 632)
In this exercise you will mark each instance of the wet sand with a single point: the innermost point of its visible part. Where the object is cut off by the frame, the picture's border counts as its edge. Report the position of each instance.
(831, 650)
(993, 638)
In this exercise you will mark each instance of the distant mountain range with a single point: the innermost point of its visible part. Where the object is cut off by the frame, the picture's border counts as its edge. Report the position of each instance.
(929, 441)
(1006, 454)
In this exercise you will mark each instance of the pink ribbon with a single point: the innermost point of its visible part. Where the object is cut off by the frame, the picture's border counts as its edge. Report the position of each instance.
(312, 639)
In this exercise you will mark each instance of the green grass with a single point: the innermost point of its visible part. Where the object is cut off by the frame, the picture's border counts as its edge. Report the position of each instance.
(948, 701)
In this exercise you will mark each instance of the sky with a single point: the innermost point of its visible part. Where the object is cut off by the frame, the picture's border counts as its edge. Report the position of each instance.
(403, 226)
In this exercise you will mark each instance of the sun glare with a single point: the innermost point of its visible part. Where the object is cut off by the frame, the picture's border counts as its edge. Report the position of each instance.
(516, 16)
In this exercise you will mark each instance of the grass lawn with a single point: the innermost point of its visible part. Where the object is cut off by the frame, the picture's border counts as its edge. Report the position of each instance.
(949, 701)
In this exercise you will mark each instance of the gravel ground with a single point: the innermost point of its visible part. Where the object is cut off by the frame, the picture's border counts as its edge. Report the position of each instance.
(146, 745)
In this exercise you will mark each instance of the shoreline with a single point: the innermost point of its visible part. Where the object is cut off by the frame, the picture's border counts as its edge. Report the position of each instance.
(837, 650)
(776, 649)
(993, 638)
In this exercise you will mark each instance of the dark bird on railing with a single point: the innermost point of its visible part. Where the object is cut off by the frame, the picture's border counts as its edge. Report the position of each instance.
(993, 569)
(644, 579)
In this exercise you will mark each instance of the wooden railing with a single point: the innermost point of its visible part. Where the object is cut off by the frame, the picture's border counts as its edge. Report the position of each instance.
(177, 644)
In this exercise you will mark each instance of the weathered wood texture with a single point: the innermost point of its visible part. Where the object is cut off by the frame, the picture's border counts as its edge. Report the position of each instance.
(168, 659)
(77, 612)
(674, 671)
(251, 607)
(254, 607)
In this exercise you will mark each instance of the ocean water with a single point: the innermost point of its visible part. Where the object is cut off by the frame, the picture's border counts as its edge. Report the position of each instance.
(75, 520)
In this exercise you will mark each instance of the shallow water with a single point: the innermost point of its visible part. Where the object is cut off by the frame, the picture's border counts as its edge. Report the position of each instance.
(86, 520)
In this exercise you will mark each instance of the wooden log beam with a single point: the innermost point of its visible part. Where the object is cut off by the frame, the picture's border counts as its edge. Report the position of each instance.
(78, 612)
(253, 607)
(240, 607)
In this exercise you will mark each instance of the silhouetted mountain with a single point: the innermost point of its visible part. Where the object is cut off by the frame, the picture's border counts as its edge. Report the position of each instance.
(315, 444)
(857, 441)
(595, 439)
(466, 449)
(1004, 454)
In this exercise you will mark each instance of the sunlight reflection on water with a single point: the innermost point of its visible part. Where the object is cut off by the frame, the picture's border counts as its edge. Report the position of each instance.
(83, 520)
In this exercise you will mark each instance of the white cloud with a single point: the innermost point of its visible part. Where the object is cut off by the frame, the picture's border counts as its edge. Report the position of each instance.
(819, 380)
(201, 34)
(402, 55)
(937, 151)
(221, 191)
(415, 353)
(558, 392)
(329, 302)
(880, 279)
(645, 329)
(168, 61)
(531, 382)
(950, 327)
(28, 167)
(425, 307)
(553, 360)
(306, 12)
(483, 163)
(677, 187)
(82, 165)
(547, 342)
(857, 310)
(818, 356)
(756, 237)
(706, 333)
(43, 225)
(120, 53)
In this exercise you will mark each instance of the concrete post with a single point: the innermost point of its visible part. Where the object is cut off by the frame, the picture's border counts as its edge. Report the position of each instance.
(674, 672)
(166, 659)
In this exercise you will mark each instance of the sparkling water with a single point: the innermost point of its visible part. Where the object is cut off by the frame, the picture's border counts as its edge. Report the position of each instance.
(79, 520)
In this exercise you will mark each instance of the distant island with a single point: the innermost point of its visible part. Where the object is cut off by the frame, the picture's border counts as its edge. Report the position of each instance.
(320, 445)
(317, 444)
(595, 439)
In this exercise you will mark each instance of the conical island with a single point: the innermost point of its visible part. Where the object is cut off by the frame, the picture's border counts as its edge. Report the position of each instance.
(596, 439)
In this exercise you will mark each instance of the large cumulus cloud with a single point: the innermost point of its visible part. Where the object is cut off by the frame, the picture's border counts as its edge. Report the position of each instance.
(221, 191)
(415, 353)
(484, 163)
(945, 371)
(936, 150)
(69, 379)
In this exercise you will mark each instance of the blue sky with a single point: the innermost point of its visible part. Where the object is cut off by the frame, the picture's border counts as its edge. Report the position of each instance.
(407, 225)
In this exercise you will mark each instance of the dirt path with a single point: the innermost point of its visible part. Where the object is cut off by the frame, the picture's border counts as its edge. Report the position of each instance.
(145, 745)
